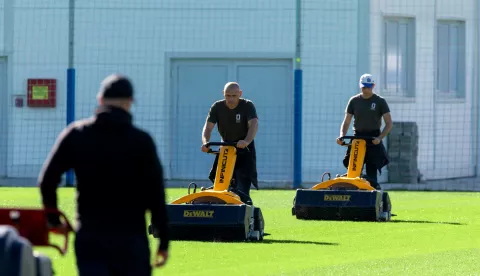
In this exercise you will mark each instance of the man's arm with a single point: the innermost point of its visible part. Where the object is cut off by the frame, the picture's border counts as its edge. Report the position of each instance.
(345, 124)
(207, 131)
(252, 118)
(155, 192)
(252, 130)
(387, 118)
(56, 164)
(348, 118)
(209, 124)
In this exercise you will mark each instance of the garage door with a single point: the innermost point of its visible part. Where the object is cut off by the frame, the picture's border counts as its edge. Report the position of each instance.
(196, 84)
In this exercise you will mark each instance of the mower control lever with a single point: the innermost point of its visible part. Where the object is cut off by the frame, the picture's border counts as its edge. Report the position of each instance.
(220, 144)
(366, 138)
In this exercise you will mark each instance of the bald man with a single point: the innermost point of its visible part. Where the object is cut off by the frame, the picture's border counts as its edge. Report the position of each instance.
(237, 122)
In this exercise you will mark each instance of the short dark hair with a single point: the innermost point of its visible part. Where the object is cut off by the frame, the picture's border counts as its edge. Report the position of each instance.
(116, 86)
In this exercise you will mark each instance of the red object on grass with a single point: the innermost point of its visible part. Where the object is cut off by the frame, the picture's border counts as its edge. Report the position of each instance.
(32, 224)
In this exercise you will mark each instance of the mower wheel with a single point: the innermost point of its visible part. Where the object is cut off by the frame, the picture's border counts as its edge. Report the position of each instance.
(386, 212)
(255, 236)
(259, 222)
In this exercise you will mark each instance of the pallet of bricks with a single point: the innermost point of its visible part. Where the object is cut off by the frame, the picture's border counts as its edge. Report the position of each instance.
(402, 148)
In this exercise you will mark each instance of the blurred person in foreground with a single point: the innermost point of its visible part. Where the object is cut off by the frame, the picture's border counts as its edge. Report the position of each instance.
(119, 177)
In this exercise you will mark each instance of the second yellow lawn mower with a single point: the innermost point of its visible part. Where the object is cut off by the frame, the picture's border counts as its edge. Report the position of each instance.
(347, 197)
(217, 212)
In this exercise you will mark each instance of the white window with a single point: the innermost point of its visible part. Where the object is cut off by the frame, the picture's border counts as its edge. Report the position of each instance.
(398, 74)
(450, 59)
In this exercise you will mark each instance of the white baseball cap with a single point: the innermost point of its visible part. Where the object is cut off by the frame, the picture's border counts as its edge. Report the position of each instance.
(366, 80)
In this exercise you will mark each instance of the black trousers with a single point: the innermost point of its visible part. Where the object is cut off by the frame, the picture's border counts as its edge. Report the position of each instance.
(102, 253)
(245, 172)
(375, 158)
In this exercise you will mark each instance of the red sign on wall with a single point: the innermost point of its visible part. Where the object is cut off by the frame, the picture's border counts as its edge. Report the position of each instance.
(41, 92)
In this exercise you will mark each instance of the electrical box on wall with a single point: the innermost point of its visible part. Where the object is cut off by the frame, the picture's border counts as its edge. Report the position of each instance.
(41, 92)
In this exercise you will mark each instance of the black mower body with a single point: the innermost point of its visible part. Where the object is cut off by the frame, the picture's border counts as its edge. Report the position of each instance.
(354, 205)
(214, 222)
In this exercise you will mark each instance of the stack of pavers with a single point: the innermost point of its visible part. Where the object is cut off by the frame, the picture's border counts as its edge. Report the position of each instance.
(402, 148)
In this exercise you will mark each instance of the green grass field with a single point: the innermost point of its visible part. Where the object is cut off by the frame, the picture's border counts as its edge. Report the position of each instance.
(434, 233)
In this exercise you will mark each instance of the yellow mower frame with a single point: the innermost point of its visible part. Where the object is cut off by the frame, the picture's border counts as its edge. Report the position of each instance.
(224, 173)
(355, 166)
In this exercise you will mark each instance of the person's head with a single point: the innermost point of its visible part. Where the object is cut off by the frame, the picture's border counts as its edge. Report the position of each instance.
(116, 90)
(367, 83)
(232, 93)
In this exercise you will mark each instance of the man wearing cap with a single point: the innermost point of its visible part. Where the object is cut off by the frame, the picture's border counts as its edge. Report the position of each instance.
(237, 122)
(120, 177)
(368, 109)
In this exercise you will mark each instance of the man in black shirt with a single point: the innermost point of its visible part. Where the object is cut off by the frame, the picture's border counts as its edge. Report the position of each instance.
(120, 177)
(237, 122)
(368, 109)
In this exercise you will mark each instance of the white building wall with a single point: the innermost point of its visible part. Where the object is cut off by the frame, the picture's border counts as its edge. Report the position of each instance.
(2, 24)
(446, 127)
(134, 37)
(115, 37)
(329, 53)
(40, 48)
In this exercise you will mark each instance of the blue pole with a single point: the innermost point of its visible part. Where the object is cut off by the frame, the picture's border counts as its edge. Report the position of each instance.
(70, 176)
(297, 99)
(297, 136)
(70, 113)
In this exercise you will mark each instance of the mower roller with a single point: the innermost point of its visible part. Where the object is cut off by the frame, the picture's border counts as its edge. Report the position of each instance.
(348, 197)
(216, 213)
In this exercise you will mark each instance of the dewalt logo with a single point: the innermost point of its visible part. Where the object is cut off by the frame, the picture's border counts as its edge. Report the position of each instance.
(336, 198)
(197, 214)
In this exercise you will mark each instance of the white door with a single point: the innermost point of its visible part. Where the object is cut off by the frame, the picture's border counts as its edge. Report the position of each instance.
(199, 83)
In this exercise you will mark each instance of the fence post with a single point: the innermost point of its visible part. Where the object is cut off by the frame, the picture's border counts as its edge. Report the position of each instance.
(70, 177)
(297, 130)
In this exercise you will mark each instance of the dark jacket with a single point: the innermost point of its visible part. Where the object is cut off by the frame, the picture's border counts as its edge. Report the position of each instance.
(119, 174)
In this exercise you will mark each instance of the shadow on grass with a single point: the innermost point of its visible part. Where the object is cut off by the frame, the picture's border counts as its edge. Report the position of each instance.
(269, 241)
(264, 241)
(425, 221)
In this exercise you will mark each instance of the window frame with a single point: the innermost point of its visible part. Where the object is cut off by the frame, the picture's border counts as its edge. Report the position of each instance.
(409, 92)
(460, 91)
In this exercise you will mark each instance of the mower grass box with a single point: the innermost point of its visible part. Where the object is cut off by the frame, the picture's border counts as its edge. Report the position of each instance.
(332, 205)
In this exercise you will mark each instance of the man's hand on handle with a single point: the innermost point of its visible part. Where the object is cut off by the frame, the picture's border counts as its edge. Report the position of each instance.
(340, 142)
(242, 144)
(161, 258)
(204, 148)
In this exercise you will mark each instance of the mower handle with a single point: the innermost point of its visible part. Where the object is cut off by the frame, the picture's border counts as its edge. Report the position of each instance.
(234, 144)
(220, 144)
(366, 138)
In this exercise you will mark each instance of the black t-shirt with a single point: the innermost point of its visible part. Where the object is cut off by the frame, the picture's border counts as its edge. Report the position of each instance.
(232, 123)
(367, 113)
